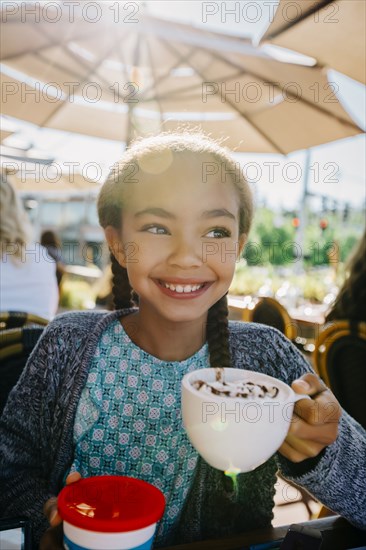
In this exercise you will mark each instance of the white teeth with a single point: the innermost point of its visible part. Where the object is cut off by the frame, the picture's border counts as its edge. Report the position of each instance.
(182, 288)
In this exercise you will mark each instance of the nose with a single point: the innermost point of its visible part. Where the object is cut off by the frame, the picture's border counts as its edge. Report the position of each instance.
(186, 252)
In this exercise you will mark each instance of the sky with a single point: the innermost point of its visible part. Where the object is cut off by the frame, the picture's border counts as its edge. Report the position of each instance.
(337, 169)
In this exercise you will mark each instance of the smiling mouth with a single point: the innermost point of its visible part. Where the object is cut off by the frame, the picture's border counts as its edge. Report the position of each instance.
(182, 289)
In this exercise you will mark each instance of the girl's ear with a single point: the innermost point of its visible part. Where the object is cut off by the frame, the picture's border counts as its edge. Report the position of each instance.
(115, 244)
(242, 240)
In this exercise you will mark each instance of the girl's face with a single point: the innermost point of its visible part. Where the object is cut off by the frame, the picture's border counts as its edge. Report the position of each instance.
(179, 238)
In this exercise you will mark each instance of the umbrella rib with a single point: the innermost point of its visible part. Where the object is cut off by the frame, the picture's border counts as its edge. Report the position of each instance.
(129, 105)
(105, 82)
(181, 59)
(123, 62)
(52, 43)
(192, 87)
(60, 67)
(291, 94)
(163, 77)
(245, 117)
(153, 74)
(93, 68)
(305, 15)
(73, 73)
(288, 92)
(78, 59)
(38, 53)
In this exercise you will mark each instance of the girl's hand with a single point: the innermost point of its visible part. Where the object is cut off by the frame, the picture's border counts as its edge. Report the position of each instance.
(314, 423)
(53, 537)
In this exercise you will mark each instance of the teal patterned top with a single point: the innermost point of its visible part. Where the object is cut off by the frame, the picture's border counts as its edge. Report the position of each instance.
(128, 420)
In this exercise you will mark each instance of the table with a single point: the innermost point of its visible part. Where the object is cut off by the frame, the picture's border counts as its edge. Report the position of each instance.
(309, 314)
(337, 534)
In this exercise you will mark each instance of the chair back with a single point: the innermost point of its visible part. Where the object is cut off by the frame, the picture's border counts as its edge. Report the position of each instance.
(269, 311)
(14, 319)
(340, 358)
(16, 345)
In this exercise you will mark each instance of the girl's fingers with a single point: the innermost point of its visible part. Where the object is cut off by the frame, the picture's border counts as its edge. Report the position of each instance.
(50, 511)
(71, 478)
(306, 448)
(50, 508)
(290, 453)
(309, 383)
(323, 408)
(324, 434)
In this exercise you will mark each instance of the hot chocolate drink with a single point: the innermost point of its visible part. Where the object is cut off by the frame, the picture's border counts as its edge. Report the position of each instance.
(244, 388)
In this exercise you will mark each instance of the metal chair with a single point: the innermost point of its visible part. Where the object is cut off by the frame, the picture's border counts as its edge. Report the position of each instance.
(269, 311)
(340, 358)
(14, 319)
(16, 345)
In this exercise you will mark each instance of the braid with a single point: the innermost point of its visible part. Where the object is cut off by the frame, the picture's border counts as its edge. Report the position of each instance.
(218, 334)
(122, 291)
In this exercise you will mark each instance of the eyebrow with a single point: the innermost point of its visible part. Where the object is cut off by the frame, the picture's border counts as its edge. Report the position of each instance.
(216, 213)
(156, 212)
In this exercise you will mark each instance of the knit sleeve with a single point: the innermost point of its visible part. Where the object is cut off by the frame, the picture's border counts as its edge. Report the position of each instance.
(30, 431)
(338, 477)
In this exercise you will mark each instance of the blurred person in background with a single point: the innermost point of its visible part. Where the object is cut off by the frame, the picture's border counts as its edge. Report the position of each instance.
(27, 273)
(350, 303)
(52, 243)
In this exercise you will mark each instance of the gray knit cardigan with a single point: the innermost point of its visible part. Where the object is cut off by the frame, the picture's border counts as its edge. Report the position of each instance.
(36, 437)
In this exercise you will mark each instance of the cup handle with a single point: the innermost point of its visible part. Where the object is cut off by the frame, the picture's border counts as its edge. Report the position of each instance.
(298, 396)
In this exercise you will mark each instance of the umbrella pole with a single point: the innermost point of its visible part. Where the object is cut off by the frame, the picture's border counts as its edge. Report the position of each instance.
(303, 212)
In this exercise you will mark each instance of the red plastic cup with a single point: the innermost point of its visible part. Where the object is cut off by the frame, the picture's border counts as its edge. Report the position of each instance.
(110, 513)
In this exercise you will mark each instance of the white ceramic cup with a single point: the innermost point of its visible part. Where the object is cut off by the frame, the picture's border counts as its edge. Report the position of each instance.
(235, 434)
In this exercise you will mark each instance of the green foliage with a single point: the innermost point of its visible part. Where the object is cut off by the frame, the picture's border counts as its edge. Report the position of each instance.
(271, 241)
(274, 241)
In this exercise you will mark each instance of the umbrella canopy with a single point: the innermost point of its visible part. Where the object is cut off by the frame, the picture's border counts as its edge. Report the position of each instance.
(331, 31)
(58, 183)
(7, 128)
(115, 80)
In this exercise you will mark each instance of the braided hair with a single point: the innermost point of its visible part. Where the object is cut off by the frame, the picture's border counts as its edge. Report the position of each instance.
(158, 151)
(123, 294)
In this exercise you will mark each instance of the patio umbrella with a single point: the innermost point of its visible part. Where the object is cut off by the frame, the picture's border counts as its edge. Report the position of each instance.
(331, 31)
(117, 80)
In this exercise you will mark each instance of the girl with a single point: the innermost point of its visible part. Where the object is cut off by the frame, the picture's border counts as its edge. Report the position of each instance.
(101, 393)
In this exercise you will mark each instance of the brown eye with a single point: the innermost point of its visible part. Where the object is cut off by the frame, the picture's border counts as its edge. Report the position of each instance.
(156, 229)
(218, 233)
